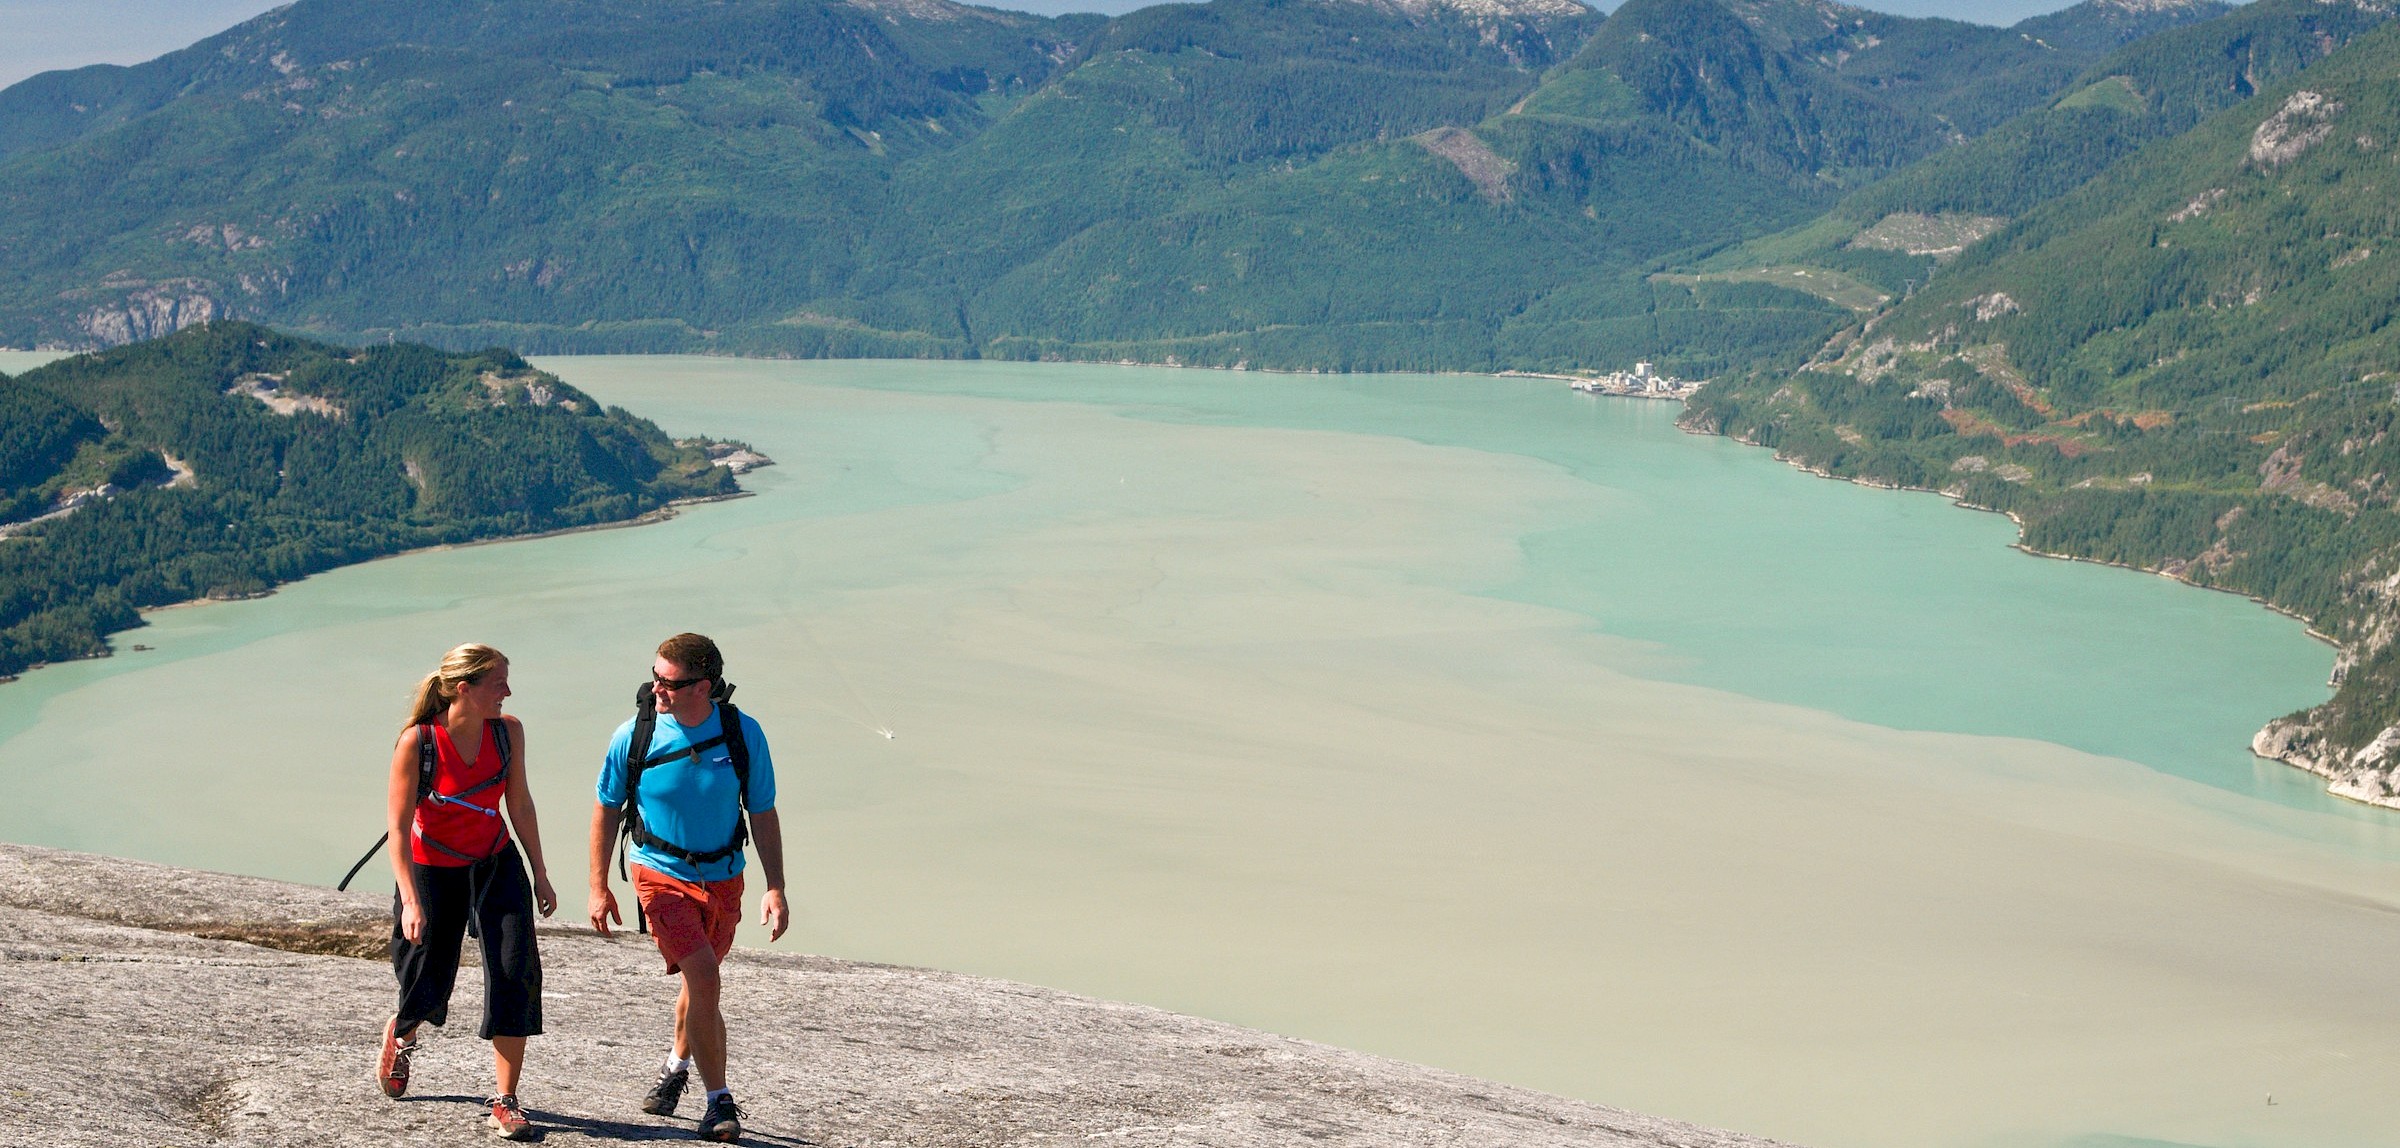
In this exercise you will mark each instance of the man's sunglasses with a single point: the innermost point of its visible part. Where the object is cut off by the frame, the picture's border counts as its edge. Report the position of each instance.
(674, 683)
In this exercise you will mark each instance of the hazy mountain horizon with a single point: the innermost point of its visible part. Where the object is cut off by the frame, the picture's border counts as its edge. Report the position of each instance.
(46, 35)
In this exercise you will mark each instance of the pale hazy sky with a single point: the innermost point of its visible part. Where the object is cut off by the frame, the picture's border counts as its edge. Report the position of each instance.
(38, 35)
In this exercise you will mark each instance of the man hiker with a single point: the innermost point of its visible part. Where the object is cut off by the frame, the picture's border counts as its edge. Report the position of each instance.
(679, 775)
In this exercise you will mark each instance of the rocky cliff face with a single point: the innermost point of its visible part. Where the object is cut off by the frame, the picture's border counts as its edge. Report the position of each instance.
(2367, 775)
(148, 311)
(208, 1009)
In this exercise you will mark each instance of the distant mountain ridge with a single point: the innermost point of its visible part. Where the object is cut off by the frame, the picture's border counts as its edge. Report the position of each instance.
(1461, 184)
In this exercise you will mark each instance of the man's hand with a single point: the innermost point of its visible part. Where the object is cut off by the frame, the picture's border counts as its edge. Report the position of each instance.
(766, 831)
(604, 838)
(604, 910)
(774, 914)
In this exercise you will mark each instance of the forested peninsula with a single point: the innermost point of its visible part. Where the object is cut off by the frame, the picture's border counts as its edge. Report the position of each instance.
(227, 458)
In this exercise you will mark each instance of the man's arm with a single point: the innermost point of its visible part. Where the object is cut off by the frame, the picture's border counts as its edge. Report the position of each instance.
(604, 840)
(766, 831)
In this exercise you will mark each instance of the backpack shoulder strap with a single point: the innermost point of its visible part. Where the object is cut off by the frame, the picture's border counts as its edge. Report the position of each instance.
(637, 749)
(500, 741)
(429, 756)
(737, 747)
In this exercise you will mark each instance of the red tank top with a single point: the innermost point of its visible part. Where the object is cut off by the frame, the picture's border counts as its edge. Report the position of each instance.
(469, 825)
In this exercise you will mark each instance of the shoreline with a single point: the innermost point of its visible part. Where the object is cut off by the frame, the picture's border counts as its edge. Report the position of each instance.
(2018, 545)
(1236, 369)
(670, 509)
(663, 513)
(2336, 786)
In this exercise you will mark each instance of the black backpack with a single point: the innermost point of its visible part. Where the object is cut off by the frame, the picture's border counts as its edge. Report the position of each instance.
(428, 757)
(638, 759)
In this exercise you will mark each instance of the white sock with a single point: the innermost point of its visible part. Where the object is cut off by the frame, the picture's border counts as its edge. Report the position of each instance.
(675, 1064)
(714, 1093)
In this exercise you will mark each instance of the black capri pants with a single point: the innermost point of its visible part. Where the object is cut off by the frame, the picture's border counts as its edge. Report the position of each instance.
(493, 900)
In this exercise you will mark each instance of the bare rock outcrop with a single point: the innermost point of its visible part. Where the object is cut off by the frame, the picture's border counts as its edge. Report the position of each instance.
(148, 311)
(2304, 119)
(1487, 10)
(1474, 159)
(120, 975)
(2370, 774)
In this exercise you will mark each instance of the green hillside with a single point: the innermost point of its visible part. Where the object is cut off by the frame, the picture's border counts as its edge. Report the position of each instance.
(1292, 183)
(227, 458)
(1893, 234)
(2187, 364)
(1969, 75)
(1448, 249)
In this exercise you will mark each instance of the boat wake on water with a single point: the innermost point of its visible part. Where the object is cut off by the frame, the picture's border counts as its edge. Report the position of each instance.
(857, 698)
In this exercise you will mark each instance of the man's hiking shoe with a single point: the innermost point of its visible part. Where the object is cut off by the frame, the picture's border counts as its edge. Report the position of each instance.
(508, 1119)
(667, 1093)
(723, 1123)
(391, 1065)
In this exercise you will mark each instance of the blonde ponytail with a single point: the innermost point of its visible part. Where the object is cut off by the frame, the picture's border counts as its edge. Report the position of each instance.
(461, 666)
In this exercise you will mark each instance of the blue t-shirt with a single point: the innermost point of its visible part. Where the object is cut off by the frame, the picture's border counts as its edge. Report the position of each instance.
(690, 800)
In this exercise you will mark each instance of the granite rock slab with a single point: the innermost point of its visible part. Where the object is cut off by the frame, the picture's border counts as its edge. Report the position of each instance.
(148, 1005)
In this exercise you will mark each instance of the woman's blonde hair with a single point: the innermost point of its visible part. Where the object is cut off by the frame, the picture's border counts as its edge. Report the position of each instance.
(463, 665)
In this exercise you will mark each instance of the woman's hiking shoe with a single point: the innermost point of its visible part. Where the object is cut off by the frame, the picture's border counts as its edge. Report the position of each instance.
(508, 1119)
(667, 1093)
(391, 1065)
(723, 1123)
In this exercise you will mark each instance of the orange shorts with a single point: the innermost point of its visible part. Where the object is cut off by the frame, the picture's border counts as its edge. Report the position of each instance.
(685, 917)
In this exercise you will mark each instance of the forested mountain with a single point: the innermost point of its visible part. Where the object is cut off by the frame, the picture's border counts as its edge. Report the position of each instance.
(227, 458)
(2188, 363)
(1299, 183)
(1883, 239)
(1969, 75)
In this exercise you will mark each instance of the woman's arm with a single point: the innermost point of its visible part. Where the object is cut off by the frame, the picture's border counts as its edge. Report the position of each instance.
(399, 812)
(519, 797)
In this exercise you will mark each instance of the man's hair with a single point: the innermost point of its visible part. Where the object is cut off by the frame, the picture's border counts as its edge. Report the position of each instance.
(695, 654)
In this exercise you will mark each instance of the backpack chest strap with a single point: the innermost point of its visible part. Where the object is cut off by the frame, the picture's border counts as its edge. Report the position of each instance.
(637, 760)
(695, 749)
(428, 759)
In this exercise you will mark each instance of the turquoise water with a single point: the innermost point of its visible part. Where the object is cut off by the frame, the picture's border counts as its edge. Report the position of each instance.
(1884, 606)
(1463, 720)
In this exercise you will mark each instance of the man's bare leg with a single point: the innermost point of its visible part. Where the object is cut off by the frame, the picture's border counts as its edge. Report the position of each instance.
(683, 1010)
(700, 1021)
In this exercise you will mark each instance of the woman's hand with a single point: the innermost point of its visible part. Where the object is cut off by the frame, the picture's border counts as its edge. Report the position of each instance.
(545, 898)
(412, 922)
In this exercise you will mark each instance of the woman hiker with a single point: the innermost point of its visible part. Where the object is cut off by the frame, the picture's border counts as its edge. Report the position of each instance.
(457, 765)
